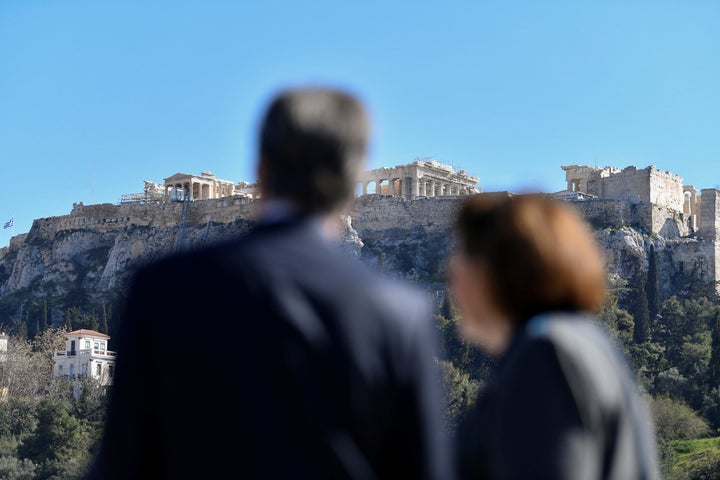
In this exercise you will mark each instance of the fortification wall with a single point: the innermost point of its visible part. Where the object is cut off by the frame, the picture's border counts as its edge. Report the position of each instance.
(606, 213)
(709, 214)
(631, 184)
(384, 212)
(641, 186)
(370, 212)
(109, 217)
(666, 189)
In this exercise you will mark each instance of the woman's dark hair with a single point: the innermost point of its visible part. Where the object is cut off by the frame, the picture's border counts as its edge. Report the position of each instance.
(539, 254)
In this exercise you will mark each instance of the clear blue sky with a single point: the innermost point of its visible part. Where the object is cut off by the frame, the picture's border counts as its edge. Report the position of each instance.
(96, 96)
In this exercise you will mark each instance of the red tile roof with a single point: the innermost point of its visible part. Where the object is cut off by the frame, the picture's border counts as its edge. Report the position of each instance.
(84, 331)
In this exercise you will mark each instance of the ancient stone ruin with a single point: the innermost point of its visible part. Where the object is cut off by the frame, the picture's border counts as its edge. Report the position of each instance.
(656, 202)
(403, 216)
(182, 186)
(422, 178)
(671, 209)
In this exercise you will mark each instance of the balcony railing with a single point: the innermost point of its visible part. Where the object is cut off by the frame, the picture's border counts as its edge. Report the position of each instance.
(84, 353)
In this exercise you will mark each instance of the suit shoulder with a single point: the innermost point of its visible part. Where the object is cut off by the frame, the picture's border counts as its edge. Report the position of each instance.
(592, 365)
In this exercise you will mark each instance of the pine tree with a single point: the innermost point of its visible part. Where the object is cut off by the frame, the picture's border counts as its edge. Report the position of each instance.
(651, 288)
(30, 327)
(92, 321)
(45, 322)
(104, 320)
(68, 320)
(640, 311)
(714, 366)
(21, 331)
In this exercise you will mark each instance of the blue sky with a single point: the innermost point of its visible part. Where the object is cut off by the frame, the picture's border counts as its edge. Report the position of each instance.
(96, 96)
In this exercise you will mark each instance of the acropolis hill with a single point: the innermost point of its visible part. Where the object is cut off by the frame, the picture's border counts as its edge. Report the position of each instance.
(401, 221)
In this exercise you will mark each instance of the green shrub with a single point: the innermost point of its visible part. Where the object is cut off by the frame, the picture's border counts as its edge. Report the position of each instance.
(674, 420)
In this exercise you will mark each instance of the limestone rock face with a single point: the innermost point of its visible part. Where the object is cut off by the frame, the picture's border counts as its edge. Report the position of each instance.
(350, 240)
(625, 249)
(86, 260)
(87, 257)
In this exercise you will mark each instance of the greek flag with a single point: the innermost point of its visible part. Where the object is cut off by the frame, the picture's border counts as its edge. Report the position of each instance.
(9, 223)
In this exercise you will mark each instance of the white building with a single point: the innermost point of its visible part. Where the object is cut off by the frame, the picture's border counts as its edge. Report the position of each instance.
(86, 354)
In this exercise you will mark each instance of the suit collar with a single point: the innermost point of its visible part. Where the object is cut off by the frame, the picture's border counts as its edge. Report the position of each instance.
(276, 211)
(279, 213)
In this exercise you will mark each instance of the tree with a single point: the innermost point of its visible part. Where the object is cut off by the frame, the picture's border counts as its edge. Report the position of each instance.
(21, 331)
(713, 375)
(104, 320)
(625, 326)
(76, 317)
(68, 324)
(651, 287)
(24, 373)
(640, 311)
(674, 420)
(619, 322)
(12, 468)
(45, 319)
(58, 436)
(455, 349)
(460, 393)
(32, 325)
(48, 342)
(669, 330)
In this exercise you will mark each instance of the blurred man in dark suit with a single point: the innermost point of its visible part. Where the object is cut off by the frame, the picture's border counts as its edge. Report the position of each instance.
(276, 356)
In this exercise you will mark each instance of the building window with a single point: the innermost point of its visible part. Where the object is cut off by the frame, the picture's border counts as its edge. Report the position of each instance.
(96, 346)
(87, 344)
(102, 347)
(98, 369)
(72, 370)
(110, 371)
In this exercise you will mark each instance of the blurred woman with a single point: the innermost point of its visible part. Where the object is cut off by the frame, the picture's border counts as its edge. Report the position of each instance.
(526, 275)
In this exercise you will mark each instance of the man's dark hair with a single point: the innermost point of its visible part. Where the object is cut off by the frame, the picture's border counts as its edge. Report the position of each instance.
(312, 147)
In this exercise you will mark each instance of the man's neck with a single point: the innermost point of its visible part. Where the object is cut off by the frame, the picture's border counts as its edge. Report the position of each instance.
(273, 211)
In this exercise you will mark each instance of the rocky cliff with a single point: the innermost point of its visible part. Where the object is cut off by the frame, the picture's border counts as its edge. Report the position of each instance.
(85, 258)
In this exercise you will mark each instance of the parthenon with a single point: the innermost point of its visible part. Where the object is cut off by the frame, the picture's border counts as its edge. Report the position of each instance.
(422, 178)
